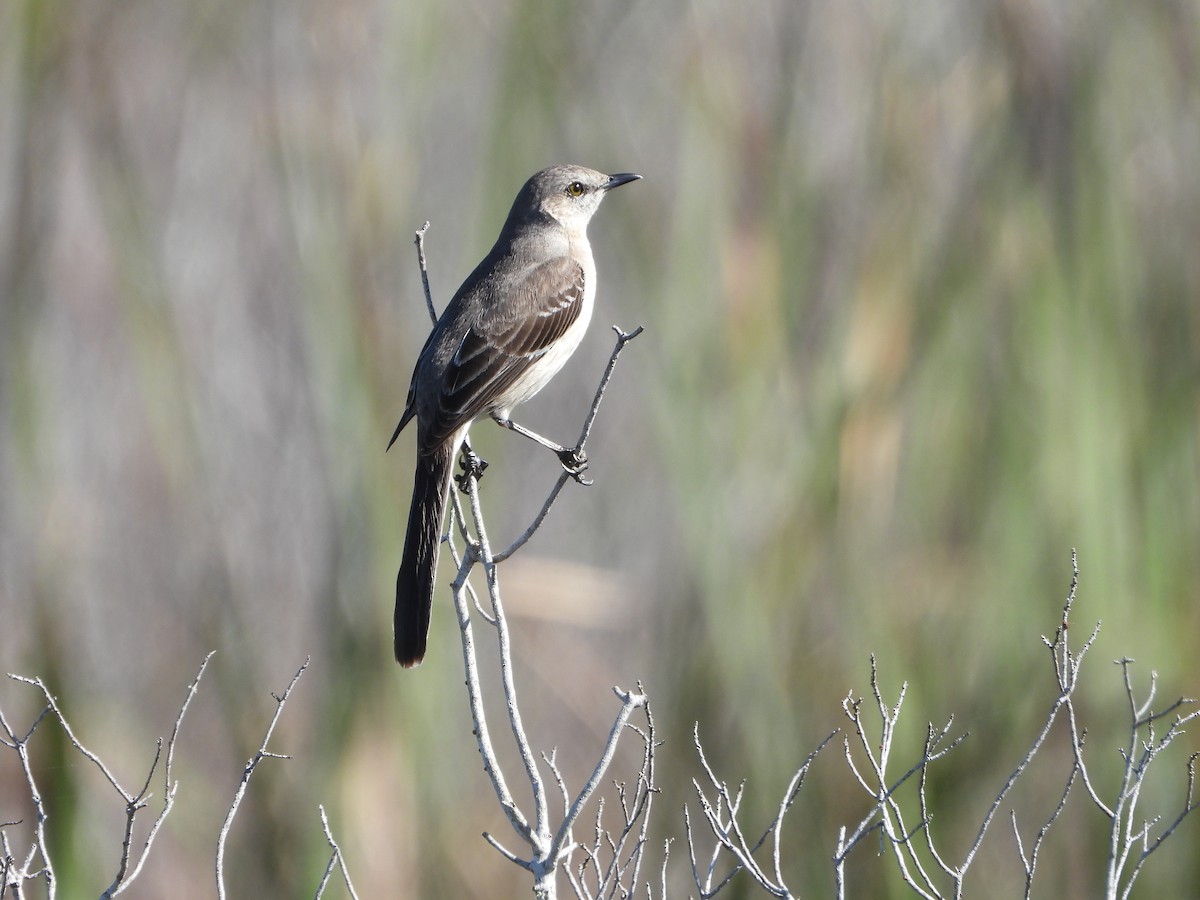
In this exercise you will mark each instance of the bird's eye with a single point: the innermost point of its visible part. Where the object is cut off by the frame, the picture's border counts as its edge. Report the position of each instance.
(575, 188)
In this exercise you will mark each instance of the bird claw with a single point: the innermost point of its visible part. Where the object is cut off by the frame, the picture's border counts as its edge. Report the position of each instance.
(575, 461)
(472, 465)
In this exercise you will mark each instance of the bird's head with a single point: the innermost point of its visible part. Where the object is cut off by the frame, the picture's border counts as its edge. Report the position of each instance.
(567, 194)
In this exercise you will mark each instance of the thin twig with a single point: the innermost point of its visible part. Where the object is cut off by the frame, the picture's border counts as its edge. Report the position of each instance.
(539, 833)
(261, 754)
(623, 338)
(134, 802)
(170, 789)
(629, 702)
(1030, 864)
(39, 847)
(337, 858)
(483, 739)
(75, 742)
(419, 240)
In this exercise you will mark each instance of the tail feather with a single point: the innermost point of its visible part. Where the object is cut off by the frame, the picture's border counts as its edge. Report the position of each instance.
(415, 580)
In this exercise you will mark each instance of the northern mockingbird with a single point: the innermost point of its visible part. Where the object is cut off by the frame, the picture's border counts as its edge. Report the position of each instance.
(507, 331)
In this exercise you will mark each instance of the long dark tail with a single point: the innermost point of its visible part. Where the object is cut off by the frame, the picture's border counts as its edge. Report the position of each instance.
(414, 583)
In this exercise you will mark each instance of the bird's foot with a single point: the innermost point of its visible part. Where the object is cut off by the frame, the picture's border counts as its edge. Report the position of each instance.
(575, 461)
(472, 465)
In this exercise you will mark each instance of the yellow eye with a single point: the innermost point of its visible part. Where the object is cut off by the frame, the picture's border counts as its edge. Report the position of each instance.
(575, 189)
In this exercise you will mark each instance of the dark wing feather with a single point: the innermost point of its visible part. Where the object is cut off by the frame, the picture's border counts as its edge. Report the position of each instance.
(511, 336)
(410, 405)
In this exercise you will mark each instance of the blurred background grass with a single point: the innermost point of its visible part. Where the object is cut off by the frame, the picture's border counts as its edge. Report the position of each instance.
(921, 284)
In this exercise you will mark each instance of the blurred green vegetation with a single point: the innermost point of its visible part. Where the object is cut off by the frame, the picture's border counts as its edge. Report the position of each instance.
(921, 284)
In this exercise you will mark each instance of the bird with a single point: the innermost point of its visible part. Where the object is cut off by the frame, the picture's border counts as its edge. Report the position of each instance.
(506, 332)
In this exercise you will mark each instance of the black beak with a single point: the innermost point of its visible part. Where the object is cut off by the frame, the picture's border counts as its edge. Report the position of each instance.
(620, 179)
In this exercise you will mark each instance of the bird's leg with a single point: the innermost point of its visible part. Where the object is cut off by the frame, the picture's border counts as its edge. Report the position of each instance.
(472, 465)
(573, 459)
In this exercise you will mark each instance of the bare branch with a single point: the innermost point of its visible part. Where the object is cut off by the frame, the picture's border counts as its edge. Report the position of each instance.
(886, 815)
(15, 874)
(483, 740)
(261, 754)
(539, 834)
(337, 859)
(134, 802)
(1142, 751)
(419, 240)
(629, 702)
(623, 338)
(506, 853)
(722, 819)
(170, 789)
(75, 742)
(1030, 864)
